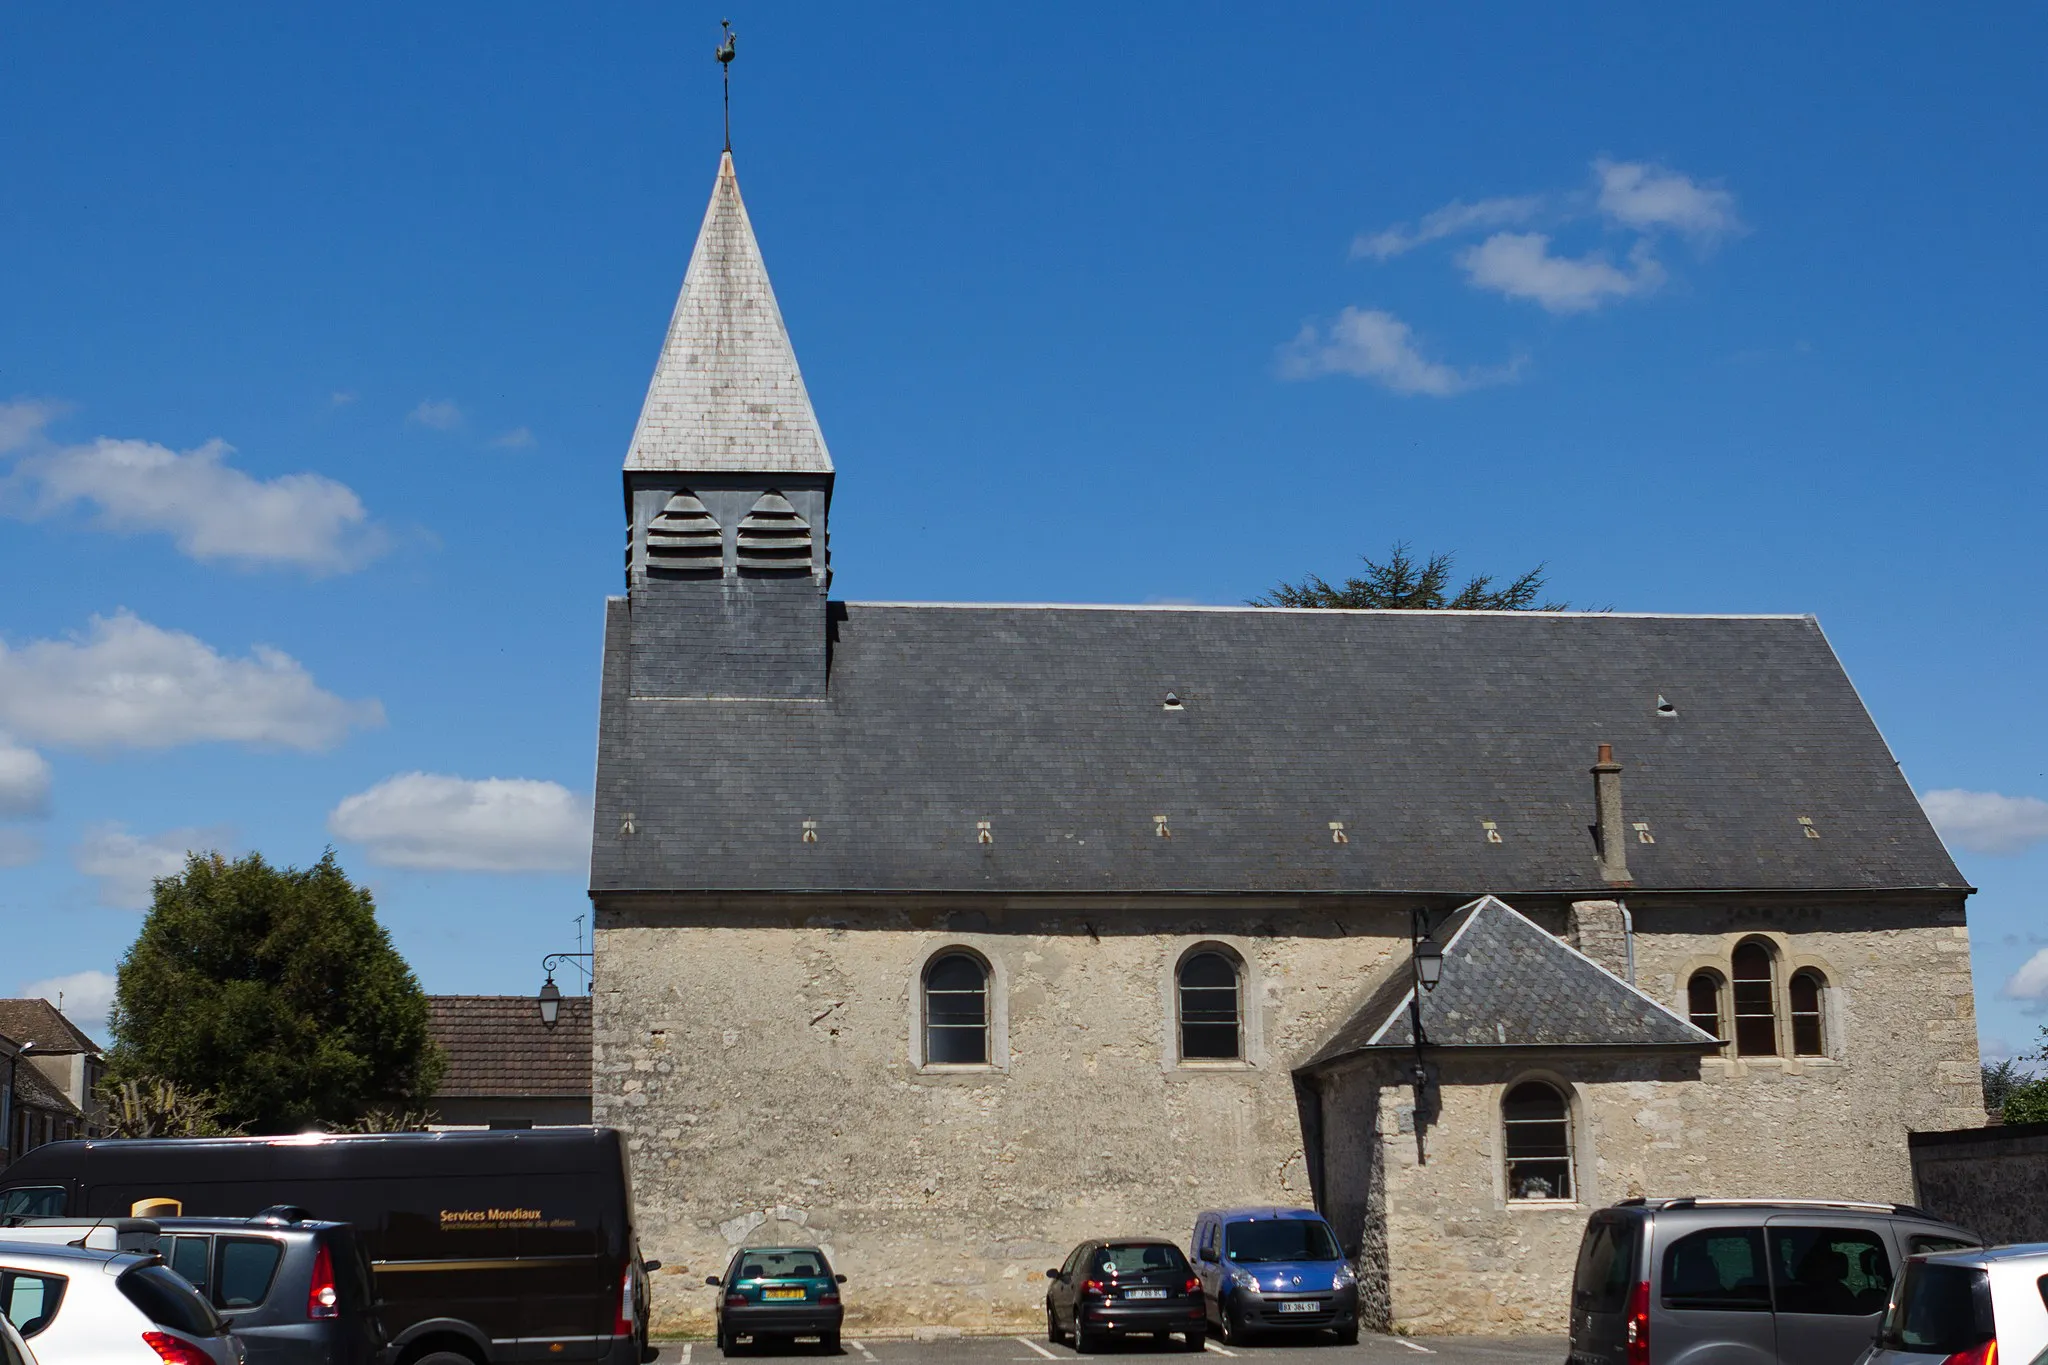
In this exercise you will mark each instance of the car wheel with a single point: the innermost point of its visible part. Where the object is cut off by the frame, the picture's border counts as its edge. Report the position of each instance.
(828, 1342)
(1233, 1325)
(444, 1358)
(1196, 1340)
(728, 1344)
(1052, 1325)
(1347, 1335)
(1084, 1340)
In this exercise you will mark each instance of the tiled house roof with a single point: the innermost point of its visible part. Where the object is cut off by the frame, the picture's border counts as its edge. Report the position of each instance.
(39, 1020)
(34, 1091)
(498, 1048)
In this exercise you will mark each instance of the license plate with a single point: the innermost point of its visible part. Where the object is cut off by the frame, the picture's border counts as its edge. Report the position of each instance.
(1301, 1306)
(782, 1293)
(1145, 1294)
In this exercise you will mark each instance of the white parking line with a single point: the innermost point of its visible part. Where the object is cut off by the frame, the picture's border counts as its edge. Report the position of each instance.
(862, 1347)
(1414, 1346)
(1028, 1342)
(1209, 1345)
(686, 1352)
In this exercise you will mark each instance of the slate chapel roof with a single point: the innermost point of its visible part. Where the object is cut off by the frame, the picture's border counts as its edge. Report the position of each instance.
(1412, 729)
(1507, 982)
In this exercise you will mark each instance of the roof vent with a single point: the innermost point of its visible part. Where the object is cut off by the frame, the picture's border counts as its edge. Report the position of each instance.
(1337, 834)
(982, 833)
(1806, 823)
(1172, 702)
(1159, 827)
(774, 538)
(685, 538)
(1492, 831)
(810, 831)
(1665, 708)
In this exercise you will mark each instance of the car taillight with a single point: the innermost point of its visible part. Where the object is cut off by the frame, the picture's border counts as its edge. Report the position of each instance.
(1984, 1353)
(174, 1351)
(1193, 1286)
(322, 1300)
(624, 1326)
(1638, 1339)
(830, 1298)
(1094, 1287)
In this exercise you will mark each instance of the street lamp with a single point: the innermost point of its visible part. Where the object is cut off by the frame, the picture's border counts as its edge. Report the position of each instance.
(550, 997)
(1429, 962)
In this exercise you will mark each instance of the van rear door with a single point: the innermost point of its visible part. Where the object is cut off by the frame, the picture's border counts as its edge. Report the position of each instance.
(1603, 1284)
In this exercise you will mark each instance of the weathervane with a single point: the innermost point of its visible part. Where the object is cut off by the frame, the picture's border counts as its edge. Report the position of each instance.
(725, 65)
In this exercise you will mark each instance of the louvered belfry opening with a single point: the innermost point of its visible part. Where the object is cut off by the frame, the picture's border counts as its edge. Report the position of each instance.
(774, 537)
(685, 538)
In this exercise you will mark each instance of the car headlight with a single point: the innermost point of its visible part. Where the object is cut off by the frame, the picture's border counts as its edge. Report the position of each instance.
(1241, 1280)
(1345, 1278)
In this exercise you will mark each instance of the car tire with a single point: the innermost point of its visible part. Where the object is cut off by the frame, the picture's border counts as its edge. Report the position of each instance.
(1052, 1325)
(1233, 1325)
(828, 1342)
(1084, 1340)
(1347, 1335)
(444, 1358)
(1197, 1340)
(728, 1344)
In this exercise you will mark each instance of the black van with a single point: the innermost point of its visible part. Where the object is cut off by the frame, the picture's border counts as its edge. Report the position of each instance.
(490, 1248)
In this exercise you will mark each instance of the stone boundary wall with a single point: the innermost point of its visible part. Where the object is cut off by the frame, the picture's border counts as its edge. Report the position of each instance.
(1992, 1180)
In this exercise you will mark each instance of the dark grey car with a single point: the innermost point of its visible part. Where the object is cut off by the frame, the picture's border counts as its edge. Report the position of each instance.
(1742, 1282)
(297, 1291)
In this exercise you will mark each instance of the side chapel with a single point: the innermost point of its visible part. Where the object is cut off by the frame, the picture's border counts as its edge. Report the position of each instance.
(947, 935)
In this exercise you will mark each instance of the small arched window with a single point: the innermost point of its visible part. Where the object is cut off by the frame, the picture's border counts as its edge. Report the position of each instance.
(956, 1011)
(1756, 1001)
(1809, 1037)
(1703, 1002)
(1208, 990)
(1536, 1121)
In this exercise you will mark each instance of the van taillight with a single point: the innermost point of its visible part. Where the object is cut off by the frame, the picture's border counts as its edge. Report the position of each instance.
(1638, 1338)
(624, 1326)
(1984, 1353)
(322, 1300)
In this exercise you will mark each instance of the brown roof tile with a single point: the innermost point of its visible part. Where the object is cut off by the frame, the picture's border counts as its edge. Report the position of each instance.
(497, 1046)
(38, 1020)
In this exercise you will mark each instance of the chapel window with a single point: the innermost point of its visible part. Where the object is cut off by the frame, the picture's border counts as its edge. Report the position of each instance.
(1703, 1002)
(1809, 1038)
(774, 536)
(1209, 1022)
(1756, 1001)
(956, 1011)
(1536, 1121)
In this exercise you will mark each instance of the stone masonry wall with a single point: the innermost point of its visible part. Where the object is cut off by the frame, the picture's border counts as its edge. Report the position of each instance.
(760, 1059)
(1993, 1181)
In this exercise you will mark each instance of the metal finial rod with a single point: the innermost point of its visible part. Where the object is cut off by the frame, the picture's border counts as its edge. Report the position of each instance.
(725, 54)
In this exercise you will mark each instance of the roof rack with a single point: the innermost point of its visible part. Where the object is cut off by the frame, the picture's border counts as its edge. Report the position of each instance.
(1715, 1202)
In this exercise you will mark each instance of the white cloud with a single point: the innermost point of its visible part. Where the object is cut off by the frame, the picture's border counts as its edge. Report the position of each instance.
(517, 438)
(127, 865)
(496, 824)
(1453, 218)
(1370, 343)
(24, 780)
(438, 413)
(1642, 196)
(18, 848)
(87, 996)
(211, 510)
(1520, 265)
(341, 398)
(2030, 982)
(1986, 822)
(127, 682)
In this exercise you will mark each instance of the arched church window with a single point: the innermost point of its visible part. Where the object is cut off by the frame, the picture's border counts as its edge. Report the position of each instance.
(1208, 991)
(956, 1011)
(1756, 1000)
(774, 536)
(1809, 1037)
(1536, 1123)
(685, 538)
(1703, 1002)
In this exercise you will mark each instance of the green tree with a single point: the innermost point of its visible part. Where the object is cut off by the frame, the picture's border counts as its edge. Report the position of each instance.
(2026, 1095)
(276, 995)
(1404, 584)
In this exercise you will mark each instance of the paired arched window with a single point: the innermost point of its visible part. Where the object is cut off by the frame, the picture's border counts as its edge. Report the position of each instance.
(1208, 1005)
(1755, 976)
(956, 1010)
(1703, 1002)
(1536, 1130)
(1753, 981)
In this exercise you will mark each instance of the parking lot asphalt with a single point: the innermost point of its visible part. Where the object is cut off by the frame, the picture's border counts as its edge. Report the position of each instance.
(1026, 1349)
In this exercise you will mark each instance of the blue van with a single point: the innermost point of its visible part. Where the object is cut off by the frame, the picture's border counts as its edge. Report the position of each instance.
(1277, 1269)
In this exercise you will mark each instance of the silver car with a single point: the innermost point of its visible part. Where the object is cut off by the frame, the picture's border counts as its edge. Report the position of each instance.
(79, 1306)
(1968, 1308)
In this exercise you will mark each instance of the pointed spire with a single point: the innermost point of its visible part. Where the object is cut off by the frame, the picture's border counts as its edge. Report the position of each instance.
(727, 395)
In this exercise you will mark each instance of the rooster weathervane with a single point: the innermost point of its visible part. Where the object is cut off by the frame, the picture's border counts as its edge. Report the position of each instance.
(725, 54)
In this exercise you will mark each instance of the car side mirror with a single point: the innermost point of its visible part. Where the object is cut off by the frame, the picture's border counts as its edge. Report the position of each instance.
(1053, 1274)
(839, 1279)
(711, 1280)
(650, 1266)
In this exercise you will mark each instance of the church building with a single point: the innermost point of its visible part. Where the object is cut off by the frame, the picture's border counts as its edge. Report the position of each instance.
(947, 935)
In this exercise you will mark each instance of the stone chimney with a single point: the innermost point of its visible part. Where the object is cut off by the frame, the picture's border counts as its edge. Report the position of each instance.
(1608, 825)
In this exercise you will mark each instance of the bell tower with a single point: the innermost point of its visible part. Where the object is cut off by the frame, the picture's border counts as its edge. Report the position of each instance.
(728, 486)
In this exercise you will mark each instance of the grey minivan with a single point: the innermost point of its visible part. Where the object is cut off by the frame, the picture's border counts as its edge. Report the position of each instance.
(1742, 1281)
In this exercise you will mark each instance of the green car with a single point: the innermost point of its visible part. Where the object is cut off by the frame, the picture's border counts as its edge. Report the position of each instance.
(778, 1292)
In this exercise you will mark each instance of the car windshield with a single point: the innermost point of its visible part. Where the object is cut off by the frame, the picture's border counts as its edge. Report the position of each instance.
(1940, 1310)
(33, 1201)
(1280, 1239)
(1138, 1258)
(783, 1263)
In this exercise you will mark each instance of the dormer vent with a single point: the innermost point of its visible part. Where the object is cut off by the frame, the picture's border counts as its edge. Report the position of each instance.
(685, 538)
(1664, 707)
(775, 537)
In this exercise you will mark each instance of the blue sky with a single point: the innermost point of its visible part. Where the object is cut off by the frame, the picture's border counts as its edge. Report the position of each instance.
(322, 334)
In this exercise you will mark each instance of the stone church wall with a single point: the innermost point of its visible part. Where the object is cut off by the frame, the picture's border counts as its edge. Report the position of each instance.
(760, 1058)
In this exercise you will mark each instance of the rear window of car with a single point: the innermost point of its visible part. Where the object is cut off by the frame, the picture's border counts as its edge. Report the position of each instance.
(246, 1266)
(1940, 1310)
(168, 1300)
(30, 1301)
(803, 1264)
(1280, 1239)
(1717, 1270)
(1136, 1258)
(1607, 1265)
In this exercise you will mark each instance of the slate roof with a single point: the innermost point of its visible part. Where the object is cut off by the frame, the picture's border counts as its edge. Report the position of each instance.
(33, 1090)
(1508, 982)
(39, 1021)
(727, 393)
(498, 1048)
(1410, 728)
